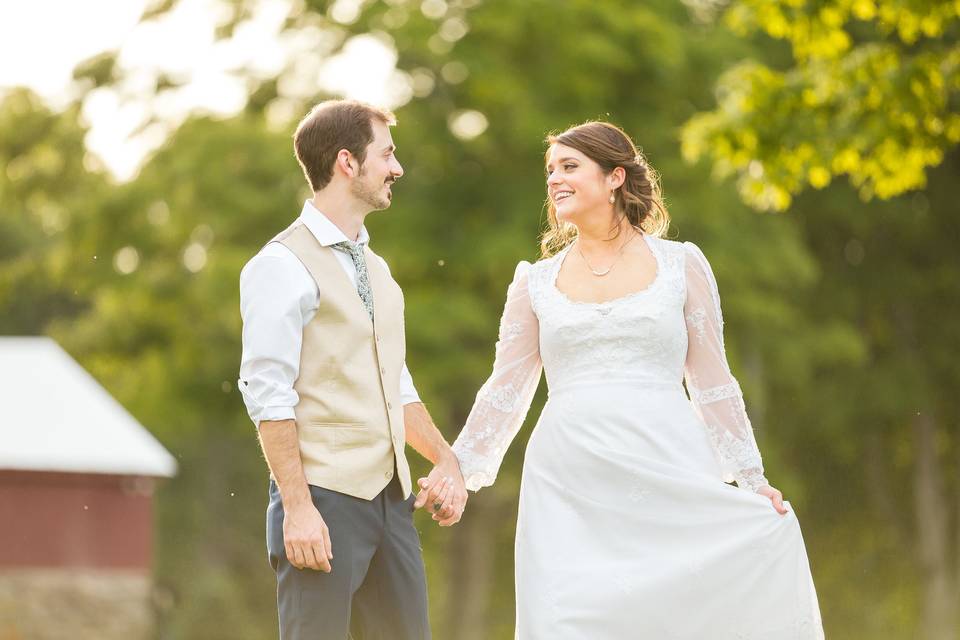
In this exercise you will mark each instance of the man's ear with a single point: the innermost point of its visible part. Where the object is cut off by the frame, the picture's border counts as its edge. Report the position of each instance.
(345, 162)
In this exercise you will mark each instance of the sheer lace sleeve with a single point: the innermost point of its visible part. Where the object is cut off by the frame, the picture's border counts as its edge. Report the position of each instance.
(504, 399)
(715, 393)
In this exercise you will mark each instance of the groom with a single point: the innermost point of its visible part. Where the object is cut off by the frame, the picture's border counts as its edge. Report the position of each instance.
(324, 378)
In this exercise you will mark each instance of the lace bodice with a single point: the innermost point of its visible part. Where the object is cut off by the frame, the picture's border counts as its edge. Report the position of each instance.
(670, 331)
(638, 337)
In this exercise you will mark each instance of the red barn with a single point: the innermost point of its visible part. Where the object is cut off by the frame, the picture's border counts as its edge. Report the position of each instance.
(77, 474)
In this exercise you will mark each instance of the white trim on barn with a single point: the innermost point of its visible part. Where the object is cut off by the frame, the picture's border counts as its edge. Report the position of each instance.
(54, 416)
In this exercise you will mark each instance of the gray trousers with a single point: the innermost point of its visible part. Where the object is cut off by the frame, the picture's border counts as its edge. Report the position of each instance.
(376, 590)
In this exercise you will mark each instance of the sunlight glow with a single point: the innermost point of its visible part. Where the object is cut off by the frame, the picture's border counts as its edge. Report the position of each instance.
(129, 120)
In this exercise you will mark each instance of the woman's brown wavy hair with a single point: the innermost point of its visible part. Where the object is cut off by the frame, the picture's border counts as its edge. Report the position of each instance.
(639, 198)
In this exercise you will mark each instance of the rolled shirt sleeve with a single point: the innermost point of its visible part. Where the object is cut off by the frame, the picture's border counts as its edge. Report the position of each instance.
(273, 305)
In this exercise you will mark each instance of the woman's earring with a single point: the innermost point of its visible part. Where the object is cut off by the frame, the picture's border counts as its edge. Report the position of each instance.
(613, 198)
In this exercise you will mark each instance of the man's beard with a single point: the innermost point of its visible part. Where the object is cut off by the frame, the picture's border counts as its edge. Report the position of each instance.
(369, 193)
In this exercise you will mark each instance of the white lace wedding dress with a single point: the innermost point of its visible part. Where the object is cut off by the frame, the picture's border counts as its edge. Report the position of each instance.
(627, 529)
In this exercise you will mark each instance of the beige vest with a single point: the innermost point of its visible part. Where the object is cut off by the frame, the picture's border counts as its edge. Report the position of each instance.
(349, 417)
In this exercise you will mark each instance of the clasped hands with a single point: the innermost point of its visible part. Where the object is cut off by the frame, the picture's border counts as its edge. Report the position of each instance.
(443, 492)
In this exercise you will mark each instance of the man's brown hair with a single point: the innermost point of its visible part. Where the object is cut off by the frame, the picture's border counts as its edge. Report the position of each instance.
(331, 126)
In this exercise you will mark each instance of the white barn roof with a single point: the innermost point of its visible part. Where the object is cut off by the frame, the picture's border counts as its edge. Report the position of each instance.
(54, 416)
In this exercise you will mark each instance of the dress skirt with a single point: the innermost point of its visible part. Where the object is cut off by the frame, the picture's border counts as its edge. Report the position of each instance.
(627, 531)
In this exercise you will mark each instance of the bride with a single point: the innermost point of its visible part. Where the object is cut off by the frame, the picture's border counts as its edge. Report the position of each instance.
(627, 527)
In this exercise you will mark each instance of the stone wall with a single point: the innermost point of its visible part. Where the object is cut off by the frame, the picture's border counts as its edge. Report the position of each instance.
(79, 604)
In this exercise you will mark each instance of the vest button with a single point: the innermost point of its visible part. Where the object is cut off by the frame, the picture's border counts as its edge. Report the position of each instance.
(388, 474)
(390, 406)
(383, 370)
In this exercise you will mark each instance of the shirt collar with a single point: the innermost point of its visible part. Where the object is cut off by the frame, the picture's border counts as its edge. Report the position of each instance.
(324, 230)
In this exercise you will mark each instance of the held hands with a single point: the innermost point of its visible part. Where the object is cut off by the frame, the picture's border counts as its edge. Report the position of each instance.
(444, 492)
(775, 497)
(307, 539)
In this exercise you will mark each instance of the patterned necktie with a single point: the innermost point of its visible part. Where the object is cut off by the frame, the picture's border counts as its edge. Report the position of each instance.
(355, 251)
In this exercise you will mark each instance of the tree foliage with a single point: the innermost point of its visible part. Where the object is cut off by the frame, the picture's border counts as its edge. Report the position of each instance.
(48, 184)
(871, 92)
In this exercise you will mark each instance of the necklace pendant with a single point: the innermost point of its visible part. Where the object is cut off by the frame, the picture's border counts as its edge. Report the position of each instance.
(600, 274)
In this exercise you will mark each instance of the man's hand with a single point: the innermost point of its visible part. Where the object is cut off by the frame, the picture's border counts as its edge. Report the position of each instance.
(444, 492)
(775, 497)
(307, 539)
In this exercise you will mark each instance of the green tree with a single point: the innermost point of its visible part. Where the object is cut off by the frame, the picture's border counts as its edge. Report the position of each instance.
(886, 425)
(44, 188)
(870, 91)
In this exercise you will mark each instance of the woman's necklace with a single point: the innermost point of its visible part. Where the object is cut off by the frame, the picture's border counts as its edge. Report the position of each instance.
(600, 274)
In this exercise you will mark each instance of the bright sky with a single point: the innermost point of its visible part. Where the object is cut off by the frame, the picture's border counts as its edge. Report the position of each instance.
(42, 40)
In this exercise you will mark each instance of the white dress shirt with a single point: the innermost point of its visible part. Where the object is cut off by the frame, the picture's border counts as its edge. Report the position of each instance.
(278, 297)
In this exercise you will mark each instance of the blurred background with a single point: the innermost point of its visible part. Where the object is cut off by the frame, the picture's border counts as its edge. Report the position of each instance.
(809, 147)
